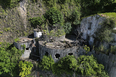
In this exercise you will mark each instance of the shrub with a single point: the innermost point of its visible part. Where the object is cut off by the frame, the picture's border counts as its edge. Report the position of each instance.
(46, 63)
(101, 48)
(9, 3)
(75, 17)
(83, 65)
(61, 1)
(104, 33)
(36, 21)
(66, 65)
(25, 68)
(88, 6)
(9, 57)
(53, 15)
(67, 27)
(88, 66)
(113, 49)
(57, 33)
(87, 48)
(16, 39)
(108, 23)
(50, 3)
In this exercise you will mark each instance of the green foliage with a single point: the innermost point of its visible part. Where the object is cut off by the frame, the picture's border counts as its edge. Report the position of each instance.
(88, 66)
(87, 48)
(7, 29)
(88, 6)
(50, 3)
(16, 39)
(108, 23)
(61, 1)
(67, 27)
(53, 15)
(75, 17)
(25, 68)
(100, 48)
(46, 63)
(53, 33)
(83, 65)
(65, 65)
(104, 33)
(36, 21)
(113, 49)
(9, 56)
(57, 33)
(1, 32)
(9, 3)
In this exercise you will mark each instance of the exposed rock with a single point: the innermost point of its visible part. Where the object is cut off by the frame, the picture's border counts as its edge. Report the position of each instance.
(23, 12)
(89, 26)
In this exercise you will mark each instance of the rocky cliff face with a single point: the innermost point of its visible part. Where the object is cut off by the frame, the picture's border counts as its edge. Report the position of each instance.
(89, 26)
(14, 22)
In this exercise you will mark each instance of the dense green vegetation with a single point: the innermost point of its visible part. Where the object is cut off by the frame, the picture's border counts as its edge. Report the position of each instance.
(53, 15)
(9, 3)
(87, 65)
(87, 48)
(104, 33)
(46, 63)
(9, 57)
(67, 26)
(94, 6)
(59, 18)
(25, 68)
(37, 21)
(65, 65)
(83, 65)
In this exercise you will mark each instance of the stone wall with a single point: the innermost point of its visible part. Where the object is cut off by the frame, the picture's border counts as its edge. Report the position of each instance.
(60, 53)
(28, 44)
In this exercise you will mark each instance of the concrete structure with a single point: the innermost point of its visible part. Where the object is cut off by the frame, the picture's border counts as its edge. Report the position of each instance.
(37, 34)
(28, 42)
(57, 50)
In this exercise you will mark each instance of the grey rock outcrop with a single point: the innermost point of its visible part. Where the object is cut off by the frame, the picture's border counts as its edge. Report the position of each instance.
(89, 26)
(23, 12)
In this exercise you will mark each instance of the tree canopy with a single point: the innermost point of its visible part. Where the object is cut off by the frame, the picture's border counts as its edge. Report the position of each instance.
(25, 68)
(46, 63)
(9, 56)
